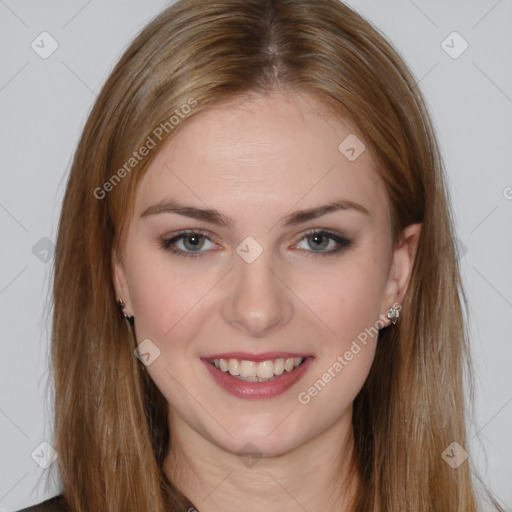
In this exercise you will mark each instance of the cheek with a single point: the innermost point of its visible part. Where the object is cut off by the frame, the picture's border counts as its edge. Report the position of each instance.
(349, 300)
(162, 293)
(351, 309)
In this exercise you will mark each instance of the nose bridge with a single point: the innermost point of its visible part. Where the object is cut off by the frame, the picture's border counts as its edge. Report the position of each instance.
(259, 301)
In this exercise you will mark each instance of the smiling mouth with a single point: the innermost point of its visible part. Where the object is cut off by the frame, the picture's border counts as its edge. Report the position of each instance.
(252, 371)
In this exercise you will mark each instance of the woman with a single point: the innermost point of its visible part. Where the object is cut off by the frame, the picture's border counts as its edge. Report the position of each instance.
(259, 189)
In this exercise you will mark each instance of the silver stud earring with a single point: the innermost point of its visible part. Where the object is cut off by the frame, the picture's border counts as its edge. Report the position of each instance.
(394, 312)
(122, 305)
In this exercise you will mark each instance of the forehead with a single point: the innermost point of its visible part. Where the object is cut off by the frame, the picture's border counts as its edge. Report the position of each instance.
(272, 151)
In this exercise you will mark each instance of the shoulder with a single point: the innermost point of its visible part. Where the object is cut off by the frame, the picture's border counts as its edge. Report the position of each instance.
(55, 504)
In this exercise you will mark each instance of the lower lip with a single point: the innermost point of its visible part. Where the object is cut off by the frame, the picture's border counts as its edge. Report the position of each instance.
(267, 389)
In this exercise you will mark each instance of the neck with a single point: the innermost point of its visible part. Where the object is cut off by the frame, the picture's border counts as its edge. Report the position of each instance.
(313, 476)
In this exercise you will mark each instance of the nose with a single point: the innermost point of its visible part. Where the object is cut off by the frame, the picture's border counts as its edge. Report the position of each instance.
(260, 302)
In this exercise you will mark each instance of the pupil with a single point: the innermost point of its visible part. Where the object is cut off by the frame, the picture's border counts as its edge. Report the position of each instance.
(195, 243)
(317, 236)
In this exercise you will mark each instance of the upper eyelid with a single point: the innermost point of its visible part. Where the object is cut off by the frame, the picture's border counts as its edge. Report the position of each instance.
(208, 234)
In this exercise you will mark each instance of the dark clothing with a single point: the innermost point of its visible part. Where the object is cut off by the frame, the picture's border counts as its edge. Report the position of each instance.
(55, 504)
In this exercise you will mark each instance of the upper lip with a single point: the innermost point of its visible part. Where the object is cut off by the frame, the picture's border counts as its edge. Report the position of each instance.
(255, 357)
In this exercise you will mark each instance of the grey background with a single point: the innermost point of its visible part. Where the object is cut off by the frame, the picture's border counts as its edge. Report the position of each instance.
(44, 105)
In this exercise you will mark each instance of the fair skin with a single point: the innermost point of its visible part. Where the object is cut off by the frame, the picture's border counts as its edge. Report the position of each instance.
(256, 162)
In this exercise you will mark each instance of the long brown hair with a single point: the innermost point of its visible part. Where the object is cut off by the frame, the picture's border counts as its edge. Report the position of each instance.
(111, 429)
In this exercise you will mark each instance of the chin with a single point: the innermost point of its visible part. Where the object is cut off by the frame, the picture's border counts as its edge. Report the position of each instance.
(269, 440)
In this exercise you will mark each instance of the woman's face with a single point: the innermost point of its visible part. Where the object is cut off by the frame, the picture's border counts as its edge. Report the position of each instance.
(252, 283)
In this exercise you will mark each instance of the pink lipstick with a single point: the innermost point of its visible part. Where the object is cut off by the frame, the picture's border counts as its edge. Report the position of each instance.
(281, 370)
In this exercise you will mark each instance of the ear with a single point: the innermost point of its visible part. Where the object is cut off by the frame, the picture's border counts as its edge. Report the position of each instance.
(120, 283)
(400, 270)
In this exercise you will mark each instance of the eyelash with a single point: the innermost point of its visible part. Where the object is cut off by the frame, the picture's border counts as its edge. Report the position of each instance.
(166, 243)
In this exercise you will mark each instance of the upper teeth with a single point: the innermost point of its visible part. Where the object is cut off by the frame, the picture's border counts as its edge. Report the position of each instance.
(263, 369)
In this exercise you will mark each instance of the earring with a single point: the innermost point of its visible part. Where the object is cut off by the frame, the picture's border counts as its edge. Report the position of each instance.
(122, 305)
(394, 313)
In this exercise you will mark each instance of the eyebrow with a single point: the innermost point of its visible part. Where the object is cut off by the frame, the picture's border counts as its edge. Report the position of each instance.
(215, 217)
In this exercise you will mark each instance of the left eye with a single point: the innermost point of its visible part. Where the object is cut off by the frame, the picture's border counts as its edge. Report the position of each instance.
(193, 241)
(315, 238)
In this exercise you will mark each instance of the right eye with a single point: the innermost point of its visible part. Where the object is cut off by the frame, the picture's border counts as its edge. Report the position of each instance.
(194, 239)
